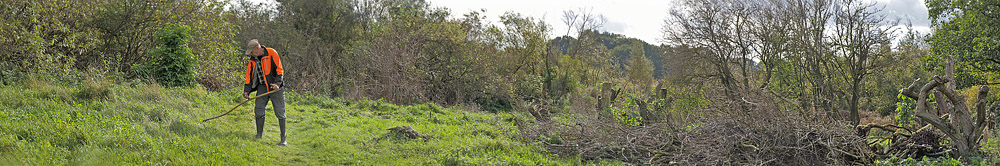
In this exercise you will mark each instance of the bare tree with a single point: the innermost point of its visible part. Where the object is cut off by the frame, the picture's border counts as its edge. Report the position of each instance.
(811, 58)
(584, 20)
(740, 40)
(589, 20)
(569, 18)
(862, 37)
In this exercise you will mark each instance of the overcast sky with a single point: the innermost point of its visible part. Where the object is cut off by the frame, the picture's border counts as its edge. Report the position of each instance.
(640, 19)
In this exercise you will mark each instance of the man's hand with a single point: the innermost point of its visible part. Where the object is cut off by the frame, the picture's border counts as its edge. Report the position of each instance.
(274, 86)
(246, 95)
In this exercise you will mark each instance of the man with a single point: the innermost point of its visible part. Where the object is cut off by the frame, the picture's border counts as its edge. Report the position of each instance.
(264, 74)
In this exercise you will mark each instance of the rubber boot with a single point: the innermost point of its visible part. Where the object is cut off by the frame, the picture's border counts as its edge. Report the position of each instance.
(260, 128)
(281, 124)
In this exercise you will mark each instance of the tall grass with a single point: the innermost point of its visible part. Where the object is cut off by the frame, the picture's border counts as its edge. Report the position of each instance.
(102, 123)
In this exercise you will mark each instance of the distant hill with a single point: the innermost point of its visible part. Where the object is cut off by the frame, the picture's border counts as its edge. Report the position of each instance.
(619, 47)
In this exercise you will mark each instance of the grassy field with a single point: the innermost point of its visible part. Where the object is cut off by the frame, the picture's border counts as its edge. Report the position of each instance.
(97, 123)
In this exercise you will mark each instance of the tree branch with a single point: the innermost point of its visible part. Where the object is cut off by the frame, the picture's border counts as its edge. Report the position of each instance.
(908, 91)
(922, 110)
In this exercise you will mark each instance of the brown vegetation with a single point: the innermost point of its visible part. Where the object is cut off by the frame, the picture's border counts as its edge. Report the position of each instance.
(713, 137)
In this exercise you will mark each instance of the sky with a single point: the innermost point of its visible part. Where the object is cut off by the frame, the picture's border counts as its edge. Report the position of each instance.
(641, 19)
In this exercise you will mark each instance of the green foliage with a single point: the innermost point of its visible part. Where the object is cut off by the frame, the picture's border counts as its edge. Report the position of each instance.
(991, 146)
(45, 36)
(618, 48)
(897, 161)
(568, 76)
(904, 111)
(905, 117)
(688, 98)
(627, 112)
(63, 37)
(966, 29)
(882, 92)
(494, 104)
(171, 62)
(640, 68)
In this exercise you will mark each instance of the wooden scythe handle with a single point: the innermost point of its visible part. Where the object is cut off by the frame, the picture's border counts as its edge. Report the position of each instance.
(238, 105)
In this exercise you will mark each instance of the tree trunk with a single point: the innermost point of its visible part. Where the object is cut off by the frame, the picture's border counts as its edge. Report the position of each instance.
(606, 97)
(855, 115)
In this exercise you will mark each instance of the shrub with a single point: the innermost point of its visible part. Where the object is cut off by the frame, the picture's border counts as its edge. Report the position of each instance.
(627, 112)
(904, 111)
(894, 160)
(494, 104)
(171, 63)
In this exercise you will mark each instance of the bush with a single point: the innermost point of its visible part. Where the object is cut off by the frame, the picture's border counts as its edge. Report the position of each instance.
(894, 160)
(904, 111)
(494, 104)
(171, 63)
(627, 111)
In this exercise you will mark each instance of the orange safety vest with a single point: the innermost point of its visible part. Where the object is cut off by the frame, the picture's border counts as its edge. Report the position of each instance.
(275, 65)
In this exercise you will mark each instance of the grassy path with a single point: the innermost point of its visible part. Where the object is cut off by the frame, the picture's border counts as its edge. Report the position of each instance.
(47, 123)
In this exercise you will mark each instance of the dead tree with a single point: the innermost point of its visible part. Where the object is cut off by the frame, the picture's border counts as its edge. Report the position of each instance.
(607, 96)
(957, 124)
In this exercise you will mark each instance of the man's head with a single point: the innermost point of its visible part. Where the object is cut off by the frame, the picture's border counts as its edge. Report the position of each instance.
(254, 49)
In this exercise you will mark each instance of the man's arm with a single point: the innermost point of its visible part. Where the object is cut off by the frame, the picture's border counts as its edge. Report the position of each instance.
(279, 71)
(246, 84)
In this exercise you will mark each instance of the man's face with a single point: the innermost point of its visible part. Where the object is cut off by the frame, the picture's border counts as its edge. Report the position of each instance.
(257, 51)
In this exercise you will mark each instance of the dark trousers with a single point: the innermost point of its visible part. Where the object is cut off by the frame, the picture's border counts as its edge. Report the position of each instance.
(277, 103)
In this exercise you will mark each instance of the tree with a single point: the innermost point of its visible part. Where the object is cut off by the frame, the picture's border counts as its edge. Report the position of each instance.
(640, 68)
(43, 36)
(586, 23)
(808, 76)
(863, 36)
(966, 29)
(739, 41)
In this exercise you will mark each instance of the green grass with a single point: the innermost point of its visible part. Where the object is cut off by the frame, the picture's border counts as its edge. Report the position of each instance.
(94, 123)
